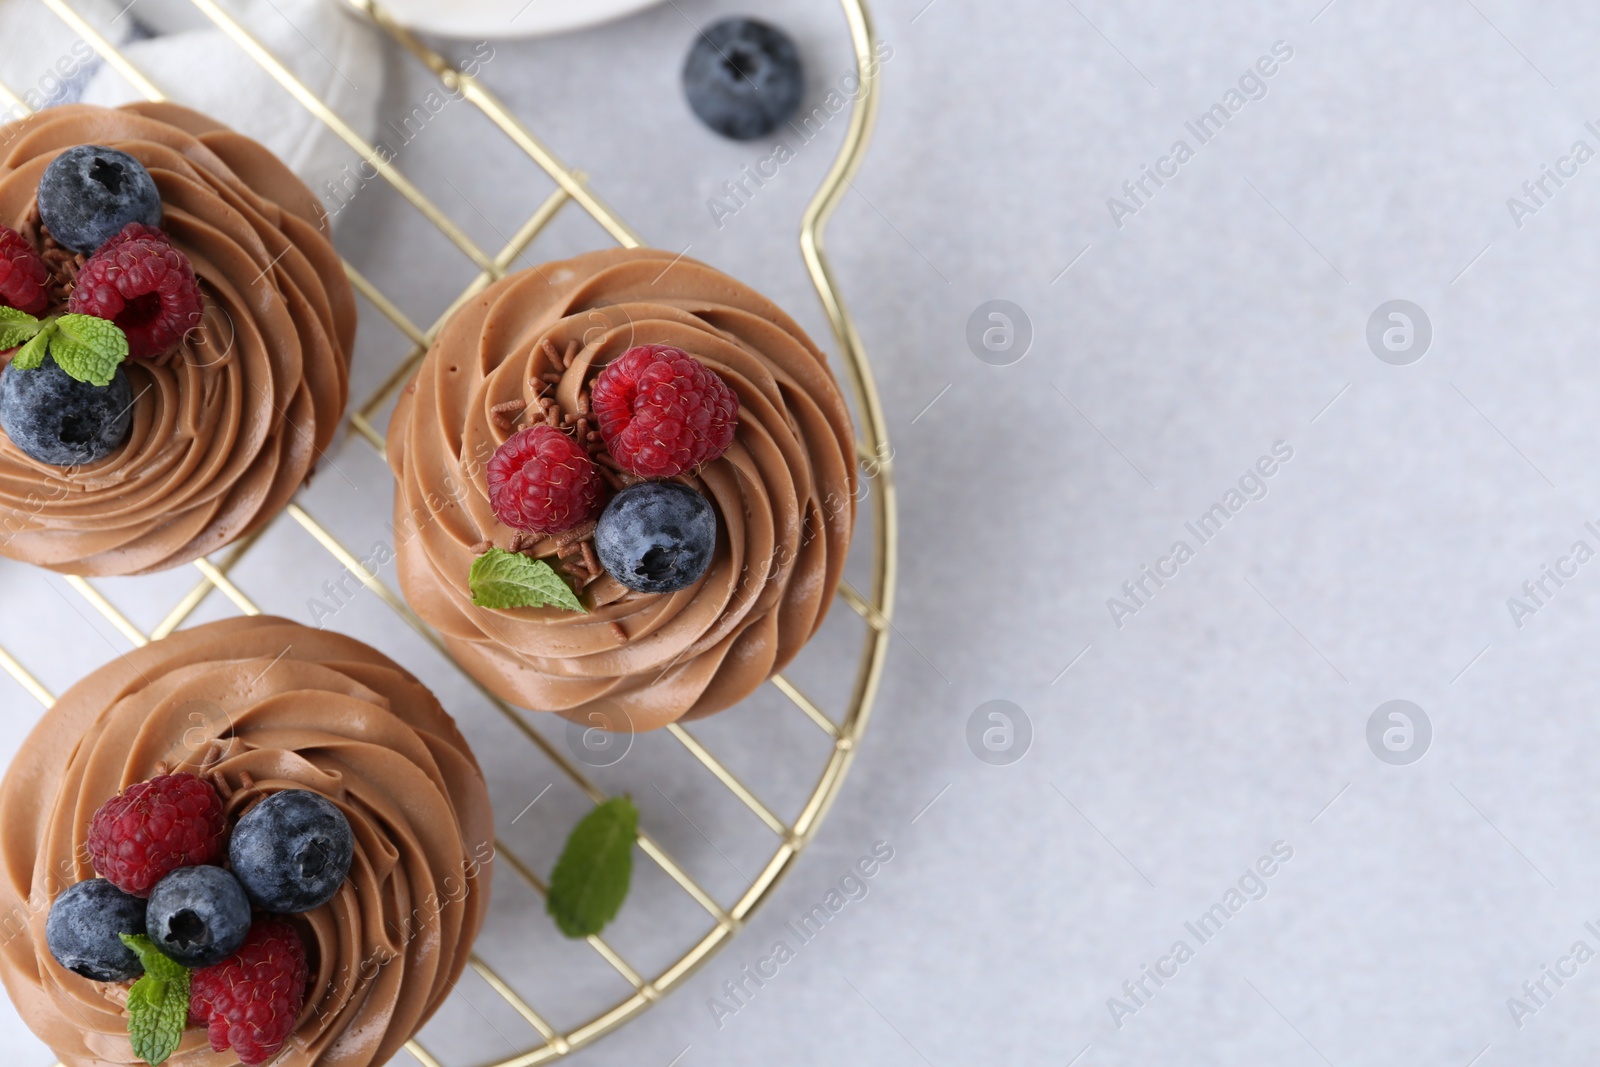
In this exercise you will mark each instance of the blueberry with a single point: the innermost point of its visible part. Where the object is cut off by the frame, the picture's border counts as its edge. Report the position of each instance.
(743, 78)
(59, 420)
(199, 916)
(656, 537)
(83, 927)
(292, 851)
(89, 193)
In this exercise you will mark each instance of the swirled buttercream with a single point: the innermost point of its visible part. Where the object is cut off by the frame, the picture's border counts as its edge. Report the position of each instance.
(226, 430)
(784, 493)
(260, 704)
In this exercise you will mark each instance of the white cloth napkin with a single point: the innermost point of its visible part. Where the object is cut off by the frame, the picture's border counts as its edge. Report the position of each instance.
(336, 54)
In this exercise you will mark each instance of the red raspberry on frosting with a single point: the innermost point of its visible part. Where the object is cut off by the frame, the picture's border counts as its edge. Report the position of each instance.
(134, 230)
(250, 1001)
(24, 279)
(150, 829)
(142, 283)
(541, 480)
(662, 412)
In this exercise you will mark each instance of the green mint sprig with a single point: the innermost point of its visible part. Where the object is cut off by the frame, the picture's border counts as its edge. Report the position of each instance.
(158, 1003)
(591, 878)
(88, 348)
(16, 327)
(501, 579)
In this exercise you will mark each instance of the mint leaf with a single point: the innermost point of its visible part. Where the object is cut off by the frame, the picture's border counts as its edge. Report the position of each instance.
(501, 579)
(158, 1003)
(591, 878)
(88, 348)
(17, 327)
(31, 355)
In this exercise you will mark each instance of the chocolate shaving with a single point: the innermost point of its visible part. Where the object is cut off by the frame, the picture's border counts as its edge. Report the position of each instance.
(621, 634)
(220, 780)
(246, 782)
(574, 549)
(481, 547)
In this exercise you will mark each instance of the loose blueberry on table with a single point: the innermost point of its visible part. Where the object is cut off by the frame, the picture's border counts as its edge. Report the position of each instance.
(743, 78)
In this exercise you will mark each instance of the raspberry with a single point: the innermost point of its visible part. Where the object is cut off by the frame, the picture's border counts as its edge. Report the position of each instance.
(135, 230)
(541, 480)
(150, 829)
(142, 283)
(24, 279)
(661, 411)
(250, 1001)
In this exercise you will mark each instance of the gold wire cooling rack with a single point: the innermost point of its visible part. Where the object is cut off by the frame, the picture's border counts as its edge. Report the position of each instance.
(874, 606)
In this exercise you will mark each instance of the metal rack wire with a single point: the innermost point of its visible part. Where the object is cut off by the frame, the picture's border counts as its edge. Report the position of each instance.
(874, 605)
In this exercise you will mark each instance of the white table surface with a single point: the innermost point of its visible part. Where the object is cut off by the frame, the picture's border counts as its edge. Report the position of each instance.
(1230, 712)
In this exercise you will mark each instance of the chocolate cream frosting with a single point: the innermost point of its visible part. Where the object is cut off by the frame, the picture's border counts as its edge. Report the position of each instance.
(784, 492)
(225, 431)
(269, 702)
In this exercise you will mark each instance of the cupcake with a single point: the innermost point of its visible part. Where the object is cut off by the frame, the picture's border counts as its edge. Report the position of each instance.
(280, 817)
(179, 329)
(625, 488)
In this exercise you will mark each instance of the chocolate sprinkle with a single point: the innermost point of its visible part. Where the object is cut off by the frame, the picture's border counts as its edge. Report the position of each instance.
(574, 535)
(505, 414)
(550, 352)
(62, 262)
